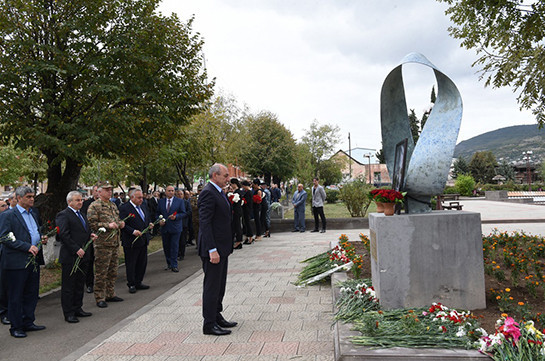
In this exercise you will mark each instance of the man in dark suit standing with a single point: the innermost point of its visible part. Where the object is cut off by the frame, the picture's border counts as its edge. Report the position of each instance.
(74, 233)
(90, 270)
(135, 244)
(173, 211)
(215, 244)
(22, 276)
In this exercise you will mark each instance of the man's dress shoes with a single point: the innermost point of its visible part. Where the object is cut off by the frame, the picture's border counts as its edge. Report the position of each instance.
(33, 327)
(71, 319)
(215, 330)
(225, 323)
(82, 313)
(17, 333)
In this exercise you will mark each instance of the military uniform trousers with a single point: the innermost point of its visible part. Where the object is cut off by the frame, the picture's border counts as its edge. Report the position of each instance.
(106, 264)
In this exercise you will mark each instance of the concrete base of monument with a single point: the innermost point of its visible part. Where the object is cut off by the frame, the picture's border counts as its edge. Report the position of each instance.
(345, 350)
(418, 259)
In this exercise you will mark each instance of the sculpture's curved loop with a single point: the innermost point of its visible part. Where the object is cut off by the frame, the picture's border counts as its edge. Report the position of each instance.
(428, 162)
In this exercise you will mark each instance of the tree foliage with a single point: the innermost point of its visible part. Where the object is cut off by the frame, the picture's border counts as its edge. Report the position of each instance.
(321, 141)
(506, 170)
(95, 78)
(465, 184)
(460, 166)
(508, 37)
(482, 166)
(269, 148)
(330, 171)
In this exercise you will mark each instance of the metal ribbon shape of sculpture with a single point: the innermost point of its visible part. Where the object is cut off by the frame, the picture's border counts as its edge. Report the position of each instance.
(428, 162)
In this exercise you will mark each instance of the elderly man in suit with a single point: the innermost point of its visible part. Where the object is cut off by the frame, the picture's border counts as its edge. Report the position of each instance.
(22, 276)
(299, 201)
(215, 244)
(173, 211)
(74, 233)
(134, 242)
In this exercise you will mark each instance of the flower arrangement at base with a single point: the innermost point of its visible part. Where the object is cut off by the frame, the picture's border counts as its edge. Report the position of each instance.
(387, 196)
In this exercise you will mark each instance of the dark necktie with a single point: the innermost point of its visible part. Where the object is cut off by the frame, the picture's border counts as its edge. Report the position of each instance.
(168, 206)
(82, 220)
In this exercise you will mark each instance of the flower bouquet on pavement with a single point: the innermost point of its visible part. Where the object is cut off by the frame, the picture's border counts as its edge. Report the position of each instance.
(78, 260)
(150, 227)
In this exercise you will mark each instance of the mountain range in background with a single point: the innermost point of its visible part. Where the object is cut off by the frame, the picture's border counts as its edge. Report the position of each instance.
(506, 143)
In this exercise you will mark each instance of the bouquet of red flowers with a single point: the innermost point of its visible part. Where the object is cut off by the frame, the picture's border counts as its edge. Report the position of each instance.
(257, 198)
(387, 196)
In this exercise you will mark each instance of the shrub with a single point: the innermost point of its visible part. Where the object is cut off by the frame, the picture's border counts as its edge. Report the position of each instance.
(465, 184)
(331, 195)
(450, 190)
(355, 196)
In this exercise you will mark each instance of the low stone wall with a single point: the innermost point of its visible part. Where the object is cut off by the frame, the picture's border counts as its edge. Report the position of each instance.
(286, 225)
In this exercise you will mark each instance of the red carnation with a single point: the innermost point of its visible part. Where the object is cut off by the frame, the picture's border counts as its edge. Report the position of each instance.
(256, 198)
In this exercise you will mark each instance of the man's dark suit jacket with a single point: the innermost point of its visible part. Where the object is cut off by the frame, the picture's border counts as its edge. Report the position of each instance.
(214, 222)
(15, 254)
(72, 235)
(134, 223)
(177, 205)
(152, 207)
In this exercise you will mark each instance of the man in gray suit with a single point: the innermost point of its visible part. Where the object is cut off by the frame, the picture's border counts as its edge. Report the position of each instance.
(318, 199)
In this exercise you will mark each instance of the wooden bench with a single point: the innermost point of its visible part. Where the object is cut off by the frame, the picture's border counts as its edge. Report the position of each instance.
(447, 197)
(453, 205)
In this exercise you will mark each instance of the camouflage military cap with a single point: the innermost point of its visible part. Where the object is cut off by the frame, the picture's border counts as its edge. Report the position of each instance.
(104, 184)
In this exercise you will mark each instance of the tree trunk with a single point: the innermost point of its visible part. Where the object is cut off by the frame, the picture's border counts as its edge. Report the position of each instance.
(182, 175)
(59, 183)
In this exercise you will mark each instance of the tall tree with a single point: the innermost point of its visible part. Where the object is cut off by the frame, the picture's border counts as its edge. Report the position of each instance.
(321, 141)
(460, 166)
(86, 78)
(506, 170)
(270, 147)
(508, 37)
(414, 123)
(482, 166)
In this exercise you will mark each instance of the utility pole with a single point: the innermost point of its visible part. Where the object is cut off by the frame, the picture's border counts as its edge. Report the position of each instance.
(349, 157)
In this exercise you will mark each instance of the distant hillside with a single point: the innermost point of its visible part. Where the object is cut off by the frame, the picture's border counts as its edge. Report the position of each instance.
(507, 143)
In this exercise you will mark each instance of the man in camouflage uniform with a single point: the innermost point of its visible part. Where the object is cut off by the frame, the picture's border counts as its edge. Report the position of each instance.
(104, 213)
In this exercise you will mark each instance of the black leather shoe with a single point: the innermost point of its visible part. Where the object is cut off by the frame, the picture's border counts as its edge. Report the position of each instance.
(174, 269)
(114, 299)
(295, 230)
(17, 333)
(71, 319)
(82, 313)
(302, 231)
(167, 268)
(225, 323)
(142, 287)
(314, 231)
(322, 231)
(132, 289)
(215, 330)
(33, 327)
(90, 289)
(5, 320)
(102, 304)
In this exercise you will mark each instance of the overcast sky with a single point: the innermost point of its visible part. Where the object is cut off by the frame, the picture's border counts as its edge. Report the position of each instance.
(327, 59)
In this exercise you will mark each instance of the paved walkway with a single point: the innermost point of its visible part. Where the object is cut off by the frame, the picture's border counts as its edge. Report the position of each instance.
(277, 321)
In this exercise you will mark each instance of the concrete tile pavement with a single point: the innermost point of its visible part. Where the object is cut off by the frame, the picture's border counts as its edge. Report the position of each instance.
(277, 321)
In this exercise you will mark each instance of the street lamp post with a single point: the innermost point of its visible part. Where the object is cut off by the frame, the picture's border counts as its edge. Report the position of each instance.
(527, 157)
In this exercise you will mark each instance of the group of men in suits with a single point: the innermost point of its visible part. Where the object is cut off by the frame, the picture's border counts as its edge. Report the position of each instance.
(79, 232)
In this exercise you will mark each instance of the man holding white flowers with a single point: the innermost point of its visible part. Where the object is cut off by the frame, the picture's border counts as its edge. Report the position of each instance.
(21, 274)
(74, 234)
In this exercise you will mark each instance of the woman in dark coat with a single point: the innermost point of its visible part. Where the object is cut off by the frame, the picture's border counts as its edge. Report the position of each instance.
(236, 196)
(257, 197)
(247, 207)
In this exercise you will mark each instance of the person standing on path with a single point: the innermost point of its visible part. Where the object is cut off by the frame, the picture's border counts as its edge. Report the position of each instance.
(299, 201)
(74, 233)
(135, 243)
(318, 199)
(173, 210)
(103, 213)
(90, 270)
(215, 244)
(20, 270)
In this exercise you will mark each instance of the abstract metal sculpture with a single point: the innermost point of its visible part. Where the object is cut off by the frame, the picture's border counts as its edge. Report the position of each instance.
(428, 162)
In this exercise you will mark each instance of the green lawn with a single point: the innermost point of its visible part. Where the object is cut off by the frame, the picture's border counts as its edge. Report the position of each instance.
(335, 210)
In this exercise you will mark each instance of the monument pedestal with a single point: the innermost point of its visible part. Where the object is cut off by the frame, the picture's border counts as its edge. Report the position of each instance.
(417, 259)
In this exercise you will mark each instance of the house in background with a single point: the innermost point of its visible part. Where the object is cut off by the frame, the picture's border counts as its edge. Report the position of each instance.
(362, 162)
